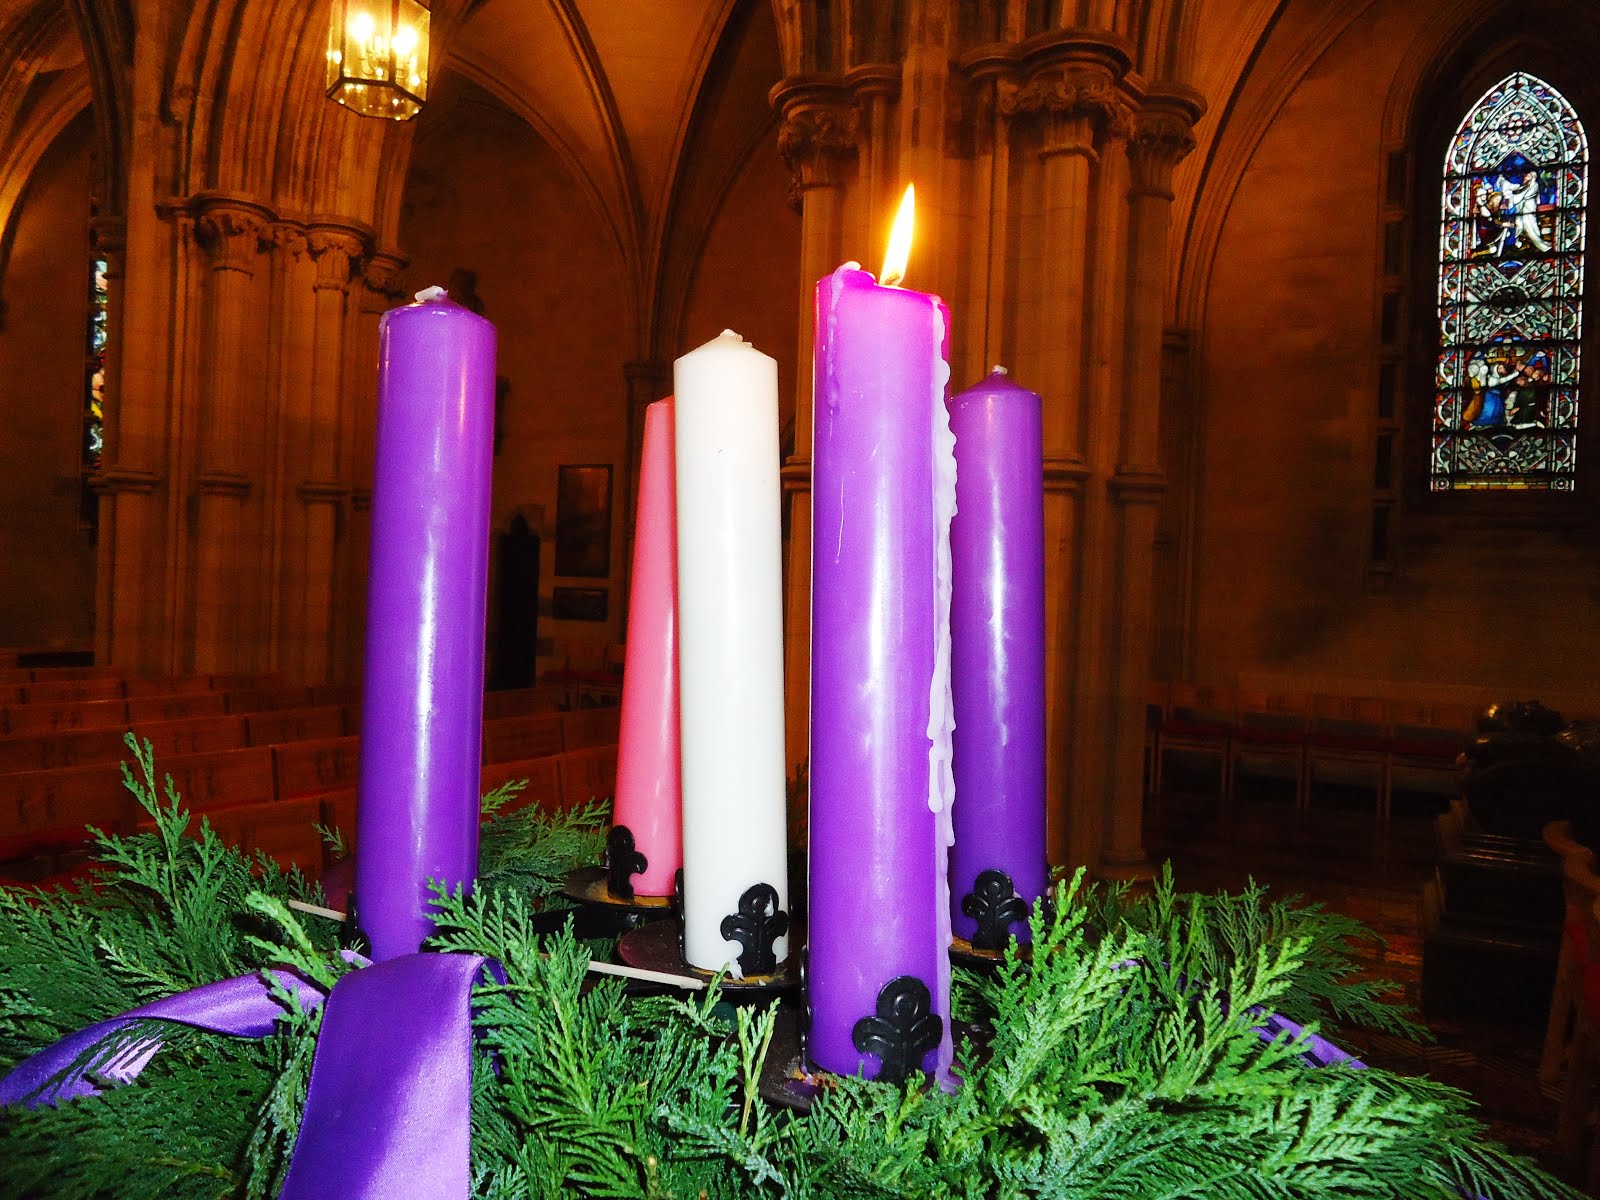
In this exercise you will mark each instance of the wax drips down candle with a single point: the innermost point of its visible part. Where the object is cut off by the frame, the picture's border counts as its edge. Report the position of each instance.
(998, 868)
(883, 490)
(422, 702)
(646, 841)
(730, 659)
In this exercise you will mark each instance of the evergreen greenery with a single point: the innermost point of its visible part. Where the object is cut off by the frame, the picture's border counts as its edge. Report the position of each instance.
(1120, 1062)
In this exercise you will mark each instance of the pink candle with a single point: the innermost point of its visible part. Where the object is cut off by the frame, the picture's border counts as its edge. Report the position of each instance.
(649, 805)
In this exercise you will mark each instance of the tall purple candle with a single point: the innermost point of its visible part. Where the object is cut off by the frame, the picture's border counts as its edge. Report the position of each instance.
(883, 489)
(997, 655)
(422, 696)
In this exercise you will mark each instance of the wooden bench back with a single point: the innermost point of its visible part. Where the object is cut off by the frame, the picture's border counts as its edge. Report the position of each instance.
(510, 738)
(312, 767)
(51, 718)
(177, 707)
(65, 691)
(296, 725)
(589, 774)
(590, 727)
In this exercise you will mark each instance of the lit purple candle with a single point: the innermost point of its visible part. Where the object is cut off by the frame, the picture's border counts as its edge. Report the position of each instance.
(883, 489)
(997, 868)
(422, 695)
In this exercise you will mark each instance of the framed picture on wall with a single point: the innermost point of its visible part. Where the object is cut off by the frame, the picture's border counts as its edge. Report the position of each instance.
(578, 604)
(583, 522)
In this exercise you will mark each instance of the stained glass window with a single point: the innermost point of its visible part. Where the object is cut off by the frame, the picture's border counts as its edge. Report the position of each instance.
(1510, 293)
(94, 386)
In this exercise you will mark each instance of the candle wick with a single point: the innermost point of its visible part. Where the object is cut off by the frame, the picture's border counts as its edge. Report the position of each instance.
(999, 370)
(429, 294)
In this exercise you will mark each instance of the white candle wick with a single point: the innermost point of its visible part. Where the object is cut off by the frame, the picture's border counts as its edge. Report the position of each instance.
(999, 370)
(429, 294)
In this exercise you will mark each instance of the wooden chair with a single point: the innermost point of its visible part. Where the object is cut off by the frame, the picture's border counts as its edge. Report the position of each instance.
(1199, 721)
(1270, 727)
(1575, 951)
(1349, 732)
(1425, 741)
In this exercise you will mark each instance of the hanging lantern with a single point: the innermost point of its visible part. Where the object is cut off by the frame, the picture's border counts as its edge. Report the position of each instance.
(378, 57)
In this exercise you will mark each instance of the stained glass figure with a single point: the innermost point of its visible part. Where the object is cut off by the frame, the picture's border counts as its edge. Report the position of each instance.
(94, 413)
(1510, 293)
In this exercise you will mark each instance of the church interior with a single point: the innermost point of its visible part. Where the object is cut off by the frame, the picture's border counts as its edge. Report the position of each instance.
(1292, 481)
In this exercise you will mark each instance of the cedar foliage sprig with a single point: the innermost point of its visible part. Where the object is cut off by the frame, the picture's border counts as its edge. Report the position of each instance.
(1120, 1063)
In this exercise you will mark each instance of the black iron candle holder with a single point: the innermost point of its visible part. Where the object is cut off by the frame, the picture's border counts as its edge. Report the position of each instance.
(658, 946)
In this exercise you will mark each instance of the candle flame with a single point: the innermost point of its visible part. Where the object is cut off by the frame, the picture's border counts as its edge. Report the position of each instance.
(899, 252)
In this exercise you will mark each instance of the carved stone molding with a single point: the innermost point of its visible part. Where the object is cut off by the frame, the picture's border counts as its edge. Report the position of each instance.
(1079, 112)
(223, 483)
(819, 133)
(321, 491)
(874, 79)
(231, 230)
(338, 253)
(130, 480)
(1137, 485)
(795, 475)
(361, 499)
(1065, 474)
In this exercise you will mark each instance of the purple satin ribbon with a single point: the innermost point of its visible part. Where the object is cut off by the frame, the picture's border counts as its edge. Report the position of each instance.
(389, 1110)
(243, 1007)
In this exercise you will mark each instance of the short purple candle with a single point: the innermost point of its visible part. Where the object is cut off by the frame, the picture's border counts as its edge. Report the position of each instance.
(422, 695)
(997, 652)
(881, 791)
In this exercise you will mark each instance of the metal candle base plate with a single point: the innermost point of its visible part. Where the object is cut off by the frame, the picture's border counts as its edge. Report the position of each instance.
(592, 885)
(657, 947)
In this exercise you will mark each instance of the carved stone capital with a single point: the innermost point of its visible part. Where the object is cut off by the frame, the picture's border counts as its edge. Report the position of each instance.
(380, 272)
(337, 253)
(231, 230)
(288, 237)
(819, 132)
(1161, 138)
(1065, 474)
(1079, 114)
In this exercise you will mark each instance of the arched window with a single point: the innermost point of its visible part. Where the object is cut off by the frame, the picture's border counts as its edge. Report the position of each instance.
(1510, 293)
(94, 385)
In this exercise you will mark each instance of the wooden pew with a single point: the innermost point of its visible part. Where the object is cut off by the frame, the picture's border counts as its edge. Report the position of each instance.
(589, 774)
(68, 690)
(284, 830)
(168, 687)
(543, 776)
(511, 738)
(75, 748)
(48, 718)
(587, 727)
(173, 708)
(336, 693)
(67, 674)
(45, 812)
(268, 699)
(295, 725)
(314, 767)
(522, 702)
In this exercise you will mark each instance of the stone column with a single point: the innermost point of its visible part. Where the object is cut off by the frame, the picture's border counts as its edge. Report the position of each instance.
(1160, 138)
(818, 143)
(225, 599)
(323, 486)
(1069, 103)
(374, 293)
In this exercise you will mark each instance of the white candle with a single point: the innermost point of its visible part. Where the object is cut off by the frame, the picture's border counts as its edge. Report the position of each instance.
(730, 648)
